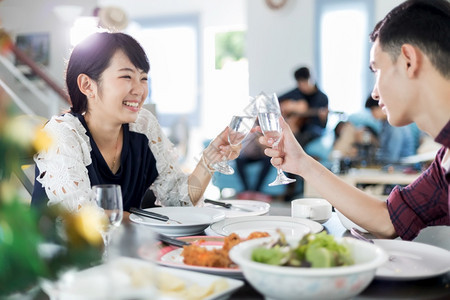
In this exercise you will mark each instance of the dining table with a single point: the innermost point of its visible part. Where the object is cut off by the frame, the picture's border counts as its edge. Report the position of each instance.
(436, 287)
(431, 288)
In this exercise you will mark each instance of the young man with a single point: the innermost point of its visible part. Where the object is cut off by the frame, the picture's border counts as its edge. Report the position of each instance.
(305, 108)
(410, 57)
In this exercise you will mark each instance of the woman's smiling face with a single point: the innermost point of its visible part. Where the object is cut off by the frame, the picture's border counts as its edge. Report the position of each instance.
(122, 90)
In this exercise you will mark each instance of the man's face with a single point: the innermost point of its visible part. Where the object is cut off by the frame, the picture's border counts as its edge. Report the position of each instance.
(306, 86)
(392, 88)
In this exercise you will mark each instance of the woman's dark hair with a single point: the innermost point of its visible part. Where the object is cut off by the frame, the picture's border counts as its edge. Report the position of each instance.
(93, 55)
(421, 23)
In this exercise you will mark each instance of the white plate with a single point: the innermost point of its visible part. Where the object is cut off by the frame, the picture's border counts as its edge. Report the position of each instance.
(202, 279)
(243, 226)
(129, 278)
(256, 208)
(170, 256)
(194, 219)
(412, 260)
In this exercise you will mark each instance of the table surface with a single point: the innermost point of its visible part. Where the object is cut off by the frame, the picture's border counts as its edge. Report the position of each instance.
(433, 288)
(368, 176)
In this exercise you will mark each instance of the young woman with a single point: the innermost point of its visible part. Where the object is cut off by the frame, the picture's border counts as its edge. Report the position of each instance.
(107, 137)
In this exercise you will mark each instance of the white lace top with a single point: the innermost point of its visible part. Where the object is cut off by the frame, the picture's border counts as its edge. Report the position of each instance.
(63, 172)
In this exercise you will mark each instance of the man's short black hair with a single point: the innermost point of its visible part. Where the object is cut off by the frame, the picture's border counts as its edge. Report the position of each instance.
(421, 23)
(302, 74)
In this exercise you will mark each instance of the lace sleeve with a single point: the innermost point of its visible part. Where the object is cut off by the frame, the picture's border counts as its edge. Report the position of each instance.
(171, 185)
(63, 172)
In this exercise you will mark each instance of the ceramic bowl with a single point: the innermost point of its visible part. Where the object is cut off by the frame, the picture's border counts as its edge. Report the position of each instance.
(347, 223)
(281, 282)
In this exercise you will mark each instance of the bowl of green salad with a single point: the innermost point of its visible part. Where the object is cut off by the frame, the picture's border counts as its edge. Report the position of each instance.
(316, 266)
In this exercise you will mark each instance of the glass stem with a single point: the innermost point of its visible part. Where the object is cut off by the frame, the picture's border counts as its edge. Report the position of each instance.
(280, 172)
(106, 238)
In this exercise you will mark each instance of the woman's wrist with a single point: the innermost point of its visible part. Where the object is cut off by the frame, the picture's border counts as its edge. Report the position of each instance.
(206, 164)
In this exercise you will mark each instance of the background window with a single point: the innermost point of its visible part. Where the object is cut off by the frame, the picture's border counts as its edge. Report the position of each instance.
(172, 48)
(343, 43)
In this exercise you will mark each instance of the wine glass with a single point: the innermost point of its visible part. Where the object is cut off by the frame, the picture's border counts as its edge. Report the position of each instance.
(268, 116)
(239, 127)
(109, 198)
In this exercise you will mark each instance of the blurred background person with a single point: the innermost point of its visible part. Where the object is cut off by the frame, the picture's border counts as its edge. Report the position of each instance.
(253, 152)
(394, 142)
(305, 108)
(353, 146)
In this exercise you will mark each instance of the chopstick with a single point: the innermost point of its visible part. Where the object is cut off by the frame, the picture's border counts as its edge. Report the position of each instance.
(219, 203)
(153, 215)
(171, 241)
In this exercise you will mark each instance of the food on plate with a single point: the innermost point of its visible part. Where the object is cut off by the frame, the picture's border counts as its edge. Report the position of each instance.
(173, 286)
(196, 255)
(319, 250)
(140, 276)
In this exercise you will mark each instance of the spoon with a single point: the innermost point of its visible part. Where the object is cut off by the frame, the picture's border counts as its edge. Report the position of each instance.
(359, 235)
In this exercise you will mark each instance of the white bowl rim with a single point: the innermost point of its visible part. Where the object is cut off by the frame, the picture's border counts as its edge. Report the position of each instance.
(347, 223)
(380, 259)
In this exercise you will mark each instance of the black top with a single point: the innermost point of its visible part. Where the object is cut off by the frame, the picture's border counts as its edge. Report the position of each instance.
(315, 100)
(136, 173)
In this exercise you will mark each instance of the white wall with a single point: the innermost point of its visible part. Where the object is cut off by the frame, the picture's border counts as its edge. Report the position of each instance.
(382, 7)
(213, 12)
(278, 41)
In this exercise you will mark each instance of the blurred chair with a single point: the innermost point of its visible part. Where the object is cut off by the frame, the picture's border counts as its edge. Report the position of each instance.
(234, 182)
(25, 174)
(27, 125)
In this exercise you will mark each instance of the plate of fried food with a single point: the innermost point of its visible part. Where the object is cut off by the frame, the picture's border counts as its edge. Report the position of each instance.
(207, 254)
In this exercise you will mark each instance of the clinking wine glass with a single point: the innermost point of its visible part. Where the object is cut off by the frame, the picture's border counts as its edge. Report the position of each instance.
(109, 198)
(239, 128)
(268, 116)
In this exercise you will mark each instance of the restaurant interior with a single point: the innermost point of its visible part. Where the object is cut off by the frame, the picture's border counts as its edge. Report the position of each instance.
(208, 57)
(273, 43)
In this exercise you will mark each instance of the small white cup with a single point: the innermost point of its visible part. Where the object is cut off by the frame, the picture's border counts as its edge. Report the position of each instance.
(316, 209)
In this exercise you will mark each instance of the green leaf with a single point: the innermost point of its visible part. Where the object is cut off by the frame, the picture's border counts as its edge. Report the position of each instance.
(272, 256)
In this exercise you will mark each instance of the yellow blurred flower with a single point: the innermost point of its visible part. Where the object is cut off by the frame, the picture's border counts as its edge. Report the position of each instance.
(85, 226)
(5, 42)
(8, 190)
(41, 140)
(25, 131)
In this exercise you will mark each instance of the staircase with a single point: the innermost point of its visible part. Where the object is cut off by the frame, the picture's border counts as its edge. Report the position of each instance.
(38, 96)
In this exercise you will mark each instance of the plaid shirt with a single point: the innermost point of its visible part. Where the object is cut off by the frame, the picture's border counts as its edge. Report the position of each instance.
(425, 202)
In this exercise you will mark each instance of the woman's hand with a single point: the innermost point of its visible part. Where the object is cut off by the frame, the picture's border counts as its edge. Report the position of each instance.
(126, 217)
(288, 154)
(220, 148)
